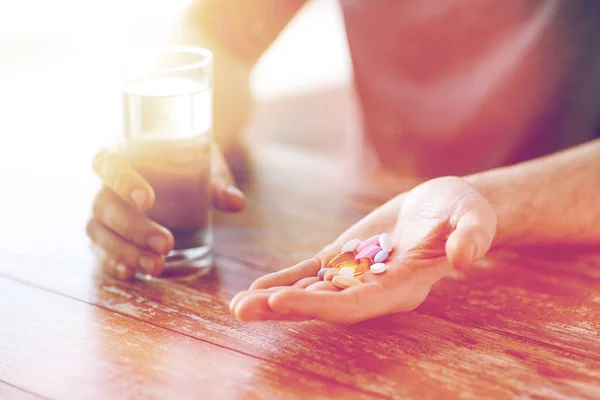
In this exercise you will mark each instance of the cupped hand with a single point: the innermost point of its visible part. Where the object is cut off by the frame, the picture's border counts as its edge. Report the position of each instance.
(123, 238)
(441, 224)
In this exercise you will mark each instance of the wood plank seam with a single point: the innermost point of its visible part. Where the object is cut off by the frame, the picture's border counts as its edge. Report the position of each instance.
(25, 390)
(441, 317)
(303, 372)
(433, 315)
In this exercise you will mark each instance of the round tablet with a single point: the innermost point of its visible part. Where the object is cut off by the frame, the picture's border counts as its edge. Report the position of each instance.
(378, 268)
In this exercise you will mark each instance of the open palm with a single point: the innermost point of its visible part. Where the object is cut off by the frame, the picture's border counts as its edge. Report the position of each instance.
(441, 224)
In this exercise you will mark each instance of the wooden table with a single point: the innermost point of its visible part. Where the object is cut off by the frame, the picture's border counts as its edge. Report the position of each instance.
(521, 325)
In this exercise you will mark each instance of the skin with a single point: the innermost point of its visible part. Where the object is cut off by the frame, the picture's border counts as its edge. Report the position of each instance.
(123, 238)
(442, 224)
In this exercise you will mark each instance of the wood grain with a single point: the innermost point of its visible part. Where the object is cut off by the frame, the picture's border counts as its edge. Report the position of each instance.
(523, 325)
(550, 296)
(69, 349)
(9, 392)
(435, 358)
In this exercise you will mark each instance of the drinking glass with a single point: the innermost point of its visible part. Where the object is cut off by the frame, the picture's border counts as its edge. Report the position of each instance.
(167, 105)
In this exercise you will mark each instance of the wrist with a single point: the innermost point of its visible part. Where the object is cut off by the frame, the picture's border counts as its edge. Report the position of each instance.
(508, 202)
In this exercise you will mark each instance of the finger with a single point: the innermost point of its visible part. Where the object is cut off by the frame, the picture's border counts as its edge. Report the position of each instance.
(130, 224)
(123, 252)
(111, 267)
(119, 176)
(351, 305)
(288, 276)
(305, 282)
(241, 295)
(474, 224)
(226, 195)
(323, 285)
(304, 269)
(254, 307)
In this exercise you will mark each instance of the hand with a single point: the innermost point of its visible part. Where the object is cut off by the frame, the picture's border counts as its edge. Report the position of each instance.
(438, 225)
(123, 238)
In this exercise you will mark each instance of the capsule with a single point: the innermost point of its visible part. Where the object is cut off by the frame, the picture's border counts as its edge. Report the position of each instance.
(340, 258)
(368, 252)
(369, 242)
(359, 266)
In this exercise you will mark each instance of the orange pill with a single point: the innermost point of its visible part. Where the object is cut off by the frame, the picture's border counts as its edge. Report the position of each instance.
(340, 258)
(329, 275)
(359, 266)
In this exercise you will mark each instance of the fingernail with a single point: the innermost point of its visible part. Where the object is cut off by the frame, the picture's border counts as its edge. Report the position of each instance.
(147, 264)
(158, 244)
(235, 199)
(139, 197)
(234, 191)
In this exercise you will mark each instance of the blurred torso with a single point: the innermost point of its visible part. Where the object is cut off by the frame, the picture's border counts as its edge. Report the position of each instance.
(456, 86)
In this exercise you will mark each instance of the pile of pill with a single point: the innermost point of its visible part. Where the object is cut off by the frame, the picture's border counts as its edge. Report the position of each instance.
(356, 258)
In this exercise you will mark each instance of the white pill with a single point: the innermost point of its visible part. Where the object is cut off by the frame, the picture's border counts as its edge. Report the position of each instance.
(351, 245)
(378, 268)
(385, 242)
(347, 271)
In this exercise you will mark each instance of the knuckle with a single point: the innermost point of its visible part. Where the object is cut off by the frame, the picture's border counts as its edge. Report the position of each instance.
(127, 256)
(122, 181)
(102, 198)
(115, 218)
(131, 258)
(110, 169)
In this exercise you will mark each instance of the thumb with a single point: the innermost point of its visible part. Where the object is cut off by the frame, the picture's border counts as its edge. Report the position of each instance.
(225, 194)
(473, 225)
(112, 167)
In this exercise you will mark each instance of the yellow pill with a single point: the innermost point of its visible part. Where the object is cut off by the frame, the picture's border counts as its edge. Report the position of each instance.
(344, 282)
(329, 275)
(340, 258)
(359, 266)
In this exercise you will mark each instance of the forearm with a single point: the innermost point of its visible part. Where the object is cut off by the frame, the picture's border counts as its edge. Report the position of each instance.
(239, 29)
(237, 32)
(554, 199)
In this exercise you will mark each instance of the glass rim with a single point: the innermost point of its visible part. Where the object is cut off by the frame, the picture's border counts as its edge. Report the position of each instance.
(206, 56)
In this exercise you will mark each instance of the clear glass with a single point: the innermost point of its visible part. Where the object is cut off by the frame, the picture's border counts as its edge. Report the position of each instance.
(167, 105)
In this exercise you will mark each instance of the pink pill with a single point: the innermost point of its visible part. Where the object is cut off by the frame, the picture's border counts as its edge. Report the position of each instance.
(368, 252)
(370, 241)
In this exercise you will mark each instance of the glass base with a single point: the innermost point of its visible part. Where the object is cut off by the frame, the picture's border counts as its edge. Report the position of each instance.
(186, 264)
